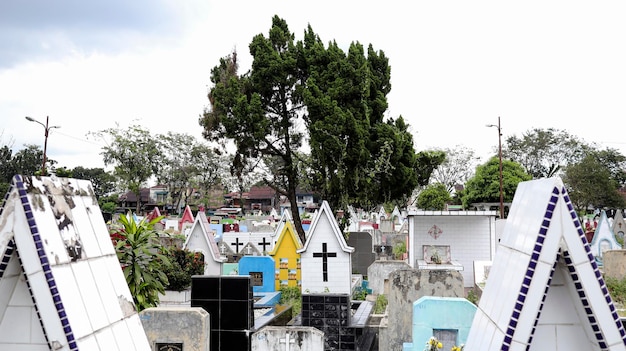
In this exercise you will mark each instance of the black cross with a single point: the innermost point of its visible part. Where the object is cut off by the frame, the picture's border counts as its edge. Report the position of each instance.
(264, 244)
(325, 255)
(236, 243)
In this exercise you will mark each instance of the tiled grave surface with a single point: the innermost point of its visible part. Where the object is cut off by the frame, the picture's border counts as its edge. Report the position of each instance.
(326, 247)
(288, 338)
(330, 313)
(432, 315)
(545, 290)
(201, 239)
(57, 253)
(230, 303)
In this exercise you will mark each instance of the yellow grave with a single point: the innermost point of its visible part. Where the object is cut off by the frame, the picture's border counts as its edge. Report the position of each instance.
(287, 271)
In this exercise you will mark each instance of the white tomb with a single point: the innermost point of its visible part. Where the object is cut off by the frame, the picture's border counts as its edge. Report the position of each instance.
(201, 239)
(544, 290)
(326, 257)
(603, 239)
(61, 284)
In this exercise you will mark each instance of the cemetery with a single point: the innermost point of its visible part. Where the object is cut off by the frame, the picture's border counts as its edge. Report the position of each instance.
(405, 280)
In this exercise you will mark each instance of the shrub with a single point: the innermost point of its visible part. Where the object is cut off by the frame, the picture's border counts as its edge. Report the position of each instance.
(184, 264)
(291, 295)
(381, 304)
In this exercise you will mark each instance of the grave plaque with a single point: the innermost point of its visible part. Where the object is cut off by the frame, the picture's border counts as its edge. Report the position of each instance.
(447, 337)
(256, 278)
(177, 346)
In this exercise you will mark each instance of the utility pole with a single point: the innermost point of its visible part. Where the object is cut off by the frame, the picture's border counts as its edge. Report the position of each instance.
(45, 143)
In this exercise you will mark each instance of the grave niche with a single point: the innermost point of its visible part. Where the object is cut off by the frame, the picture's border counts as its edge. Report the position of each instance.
(331, 314)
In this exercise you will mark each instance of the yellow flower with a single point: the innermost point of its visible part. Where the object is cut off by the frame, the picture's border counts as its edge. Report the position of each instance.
(439, 345)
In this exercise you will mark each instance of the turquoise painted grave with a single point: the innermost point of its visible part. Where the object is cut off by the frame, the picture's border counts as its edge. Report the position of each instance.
(261, 272)
(447, 318)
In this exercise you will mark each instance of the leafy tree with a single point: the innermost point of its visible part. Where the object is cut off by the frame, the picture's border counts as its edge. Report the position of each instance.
(141, 256)
(590, 184)
(26, 161)
(544, 152)
(184, 264)
(485, 185)
(102, 181)
(434, 197)
(135, 155)
(457, 167)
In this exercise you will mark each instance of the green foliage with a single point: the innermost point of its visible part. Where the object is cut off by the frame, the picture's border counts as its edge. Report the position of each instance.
(399, 249)
(183, 265)
(485, 185)
(103, 182)
(142, 259)
(458, 166)
(381, 304)
(472, 297)
(617, 289)
(291, 295)
(359, 294)
(434, 197)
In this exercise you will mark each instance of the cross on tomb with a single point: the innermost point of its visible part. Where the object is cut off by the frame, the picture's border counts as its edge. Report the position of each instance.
(237, 243)
(223, 248)
(325, 255)
(264, 244)
(382, 249)
(286, 340)
(248, 248)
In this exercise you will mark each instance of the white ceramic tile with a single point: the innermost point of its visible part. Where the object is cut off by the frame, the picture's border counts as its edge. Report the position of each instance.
(21, 295)
(24, 243)
(106, 340)
(570, 337)
(105, 288)
(84, 230)
(116, 278)
(45, 305)
(15, 326)
(575, 247)
(140, 340)
(545, 338)
(122, 336)
(89, 342)
(90, 294)
(72, 300)
(37, 335)
(7, 286)
(48, 229)
(100, 230)
(24, 347)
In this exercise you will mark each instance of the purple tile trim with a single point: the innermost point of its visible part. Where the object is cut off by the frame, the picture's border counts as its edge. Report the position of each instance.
(47, 270)
(579, 288)
(7, 257)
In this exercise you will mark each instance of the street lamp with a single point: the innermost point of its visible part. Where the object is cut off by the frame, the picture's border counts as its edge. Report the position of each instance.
(45, 144)
(500, 157)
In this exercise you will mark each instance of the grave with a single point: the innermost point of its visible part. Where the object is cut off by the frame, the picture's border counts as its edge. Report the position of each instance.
(407, 286)
(330, 313)
(201, 239)
(326, 247)
(186, 221)
(230, 303)
(603, 239)
(619, 225)
(177, 329)
(461, 237)
(614, 264)
(288, 339)
(226, 251)
(545, 290)
(287, 269)
(446, 318)
(363, 255)
(250, 250)
(261, 272)
(378, 274)
(61, 284)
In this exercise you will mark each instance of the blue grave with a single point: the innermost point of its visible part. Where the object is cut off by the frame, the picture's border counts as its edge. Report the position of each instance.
(447, 318)
(261, 272)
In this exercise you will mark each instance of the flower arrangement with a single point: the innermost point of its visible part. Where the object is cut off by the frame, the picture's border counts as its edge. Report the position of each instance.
(435, 258)
(433, 344)
(458, 348)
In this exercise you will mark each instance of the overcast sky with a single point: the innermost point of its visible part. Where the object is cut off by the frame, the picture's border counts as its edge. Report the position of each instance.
(455, 65)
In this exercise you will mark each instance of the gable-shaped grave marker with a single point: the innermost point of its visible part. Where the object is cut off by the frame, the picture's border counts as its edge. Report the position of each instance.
(619, 225)
(603, 239)
(287, 265)
(61, 284)
(201, 239)
(363, 255)
(545, 290)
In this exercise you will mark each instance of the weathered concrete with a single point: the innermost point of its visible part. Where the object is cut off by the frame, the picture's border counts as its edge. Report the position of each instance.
(288, 338)
(405, 287)
(615, 264)
(378, 272)
(187, 325)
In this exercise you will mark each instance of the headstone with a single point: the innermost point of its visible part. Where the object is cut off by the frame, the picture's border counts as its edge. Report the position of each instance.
(603, 239)
(287, 269)
(201, 239)
(446, 318)
(177, 328)
(363, 255)
(250, 250)
(619, 226)
(545, 290)
(288, 339)
(326, 247)
(61, 284)
(407, 286)
(330, 313)
(261, 272)
(230, 303)
(614, 264)
(186, 221)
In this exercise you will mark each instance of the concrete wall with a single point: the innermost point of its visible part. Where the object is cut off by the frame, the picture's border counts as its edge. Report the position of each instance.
(379, 271)
(189, 326)
(615, 264)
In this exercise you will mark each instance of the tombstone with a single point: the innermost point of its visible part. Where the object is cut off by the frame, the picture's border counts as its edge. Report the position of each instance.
(363, 255)
(407, 286)
(619, 226)
(326, 247)
(287, 269)
(603, 239)
(378, 274)
(230, 303)
(201, 239)
(61, 284)
(261, 272)
(225, 250)
(288, 339)
(383, 252)
(448, 319)
(545, 290)
(177, 328)
(262, 241)
(186, 221)
(155, 213)
(614, 264)
(250, 250)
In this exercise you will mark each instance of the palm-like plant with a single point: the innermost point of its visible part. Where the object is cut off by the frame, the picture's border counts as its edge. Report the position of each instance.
(143, 262)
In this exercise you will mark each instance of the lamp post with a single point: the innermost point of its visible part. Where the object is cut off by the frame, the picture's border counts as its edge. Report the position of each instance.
(45, 143)
(500, 158)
